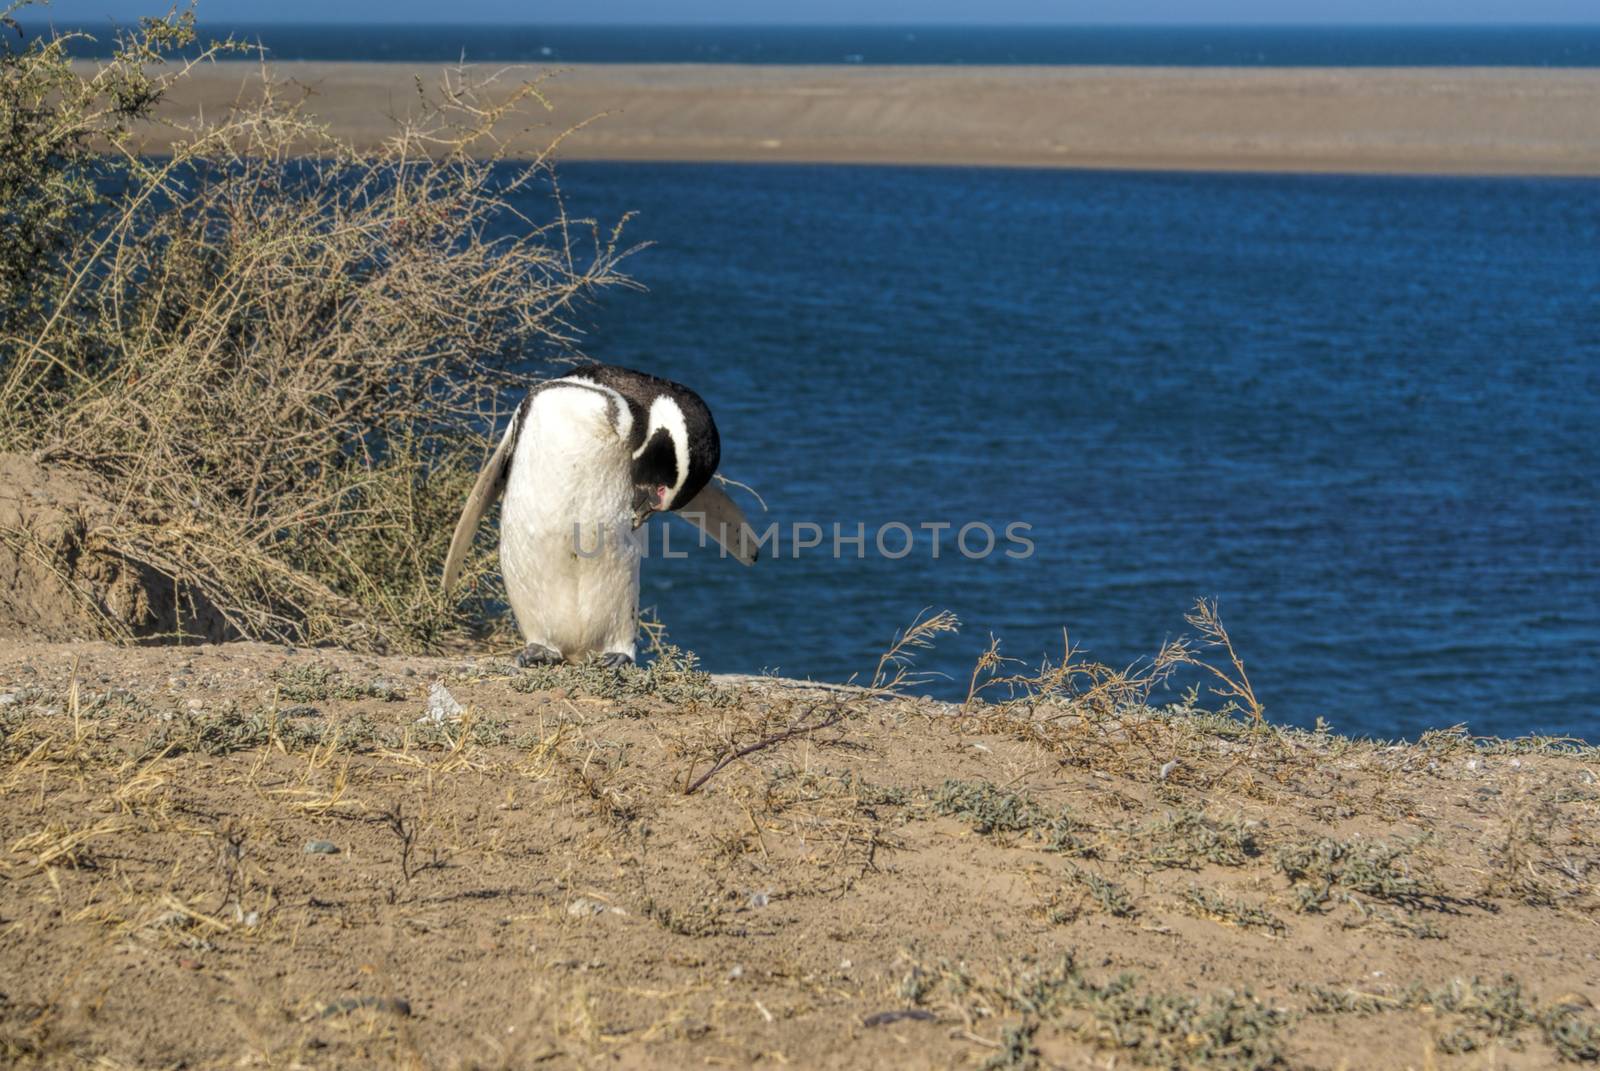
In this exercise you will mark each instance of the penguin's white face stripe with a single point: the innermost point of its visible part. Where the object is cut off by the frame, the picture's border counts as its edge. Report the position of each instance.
(665, 415)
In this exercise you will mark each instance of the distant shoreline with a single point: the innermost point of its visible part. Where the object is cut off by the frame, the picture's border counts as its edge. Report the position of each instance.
(1463, 121)
(1250, 45)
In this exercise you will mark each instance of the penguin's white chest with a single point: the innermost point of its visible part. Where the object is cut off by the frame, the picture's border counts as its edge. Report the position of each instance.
(571, 570)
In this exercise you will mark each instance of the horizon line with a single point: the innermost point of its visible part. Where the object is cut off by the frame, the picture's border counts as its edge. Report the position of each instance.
(701, 24)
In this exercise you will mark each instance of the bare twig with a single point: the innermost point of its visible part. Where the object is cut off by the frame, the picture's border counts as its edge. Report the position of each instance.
(813, 720)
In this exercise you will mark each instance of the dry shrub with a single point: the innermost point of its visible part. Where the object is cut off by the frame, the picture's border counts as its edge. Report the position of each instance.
(1107, 690)
(283, 353)
(1097, 715)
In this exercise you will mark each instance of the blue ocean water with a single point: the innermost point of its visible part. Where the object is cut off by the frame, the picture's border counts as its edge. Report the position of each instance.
(1363, 413)
(1208, 46)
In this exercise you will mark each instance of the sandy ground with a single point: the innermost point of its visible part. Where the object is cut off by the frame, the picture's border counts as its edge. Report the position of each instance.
(243, 855)
(1505, 121)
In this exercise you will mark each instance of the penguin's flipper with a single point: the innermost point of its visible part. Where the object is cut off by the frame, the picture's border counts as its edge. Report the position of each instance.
(715, 514)
(491, 484)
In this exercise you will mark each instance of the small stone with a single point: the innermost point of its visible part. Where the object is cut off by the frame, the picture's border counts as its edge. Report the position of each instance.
(321, 847)
(583, 907)
(736, 972)
(441, 704)
(760, 899)
(196, 704)
(1167, 768)
(887, 1017)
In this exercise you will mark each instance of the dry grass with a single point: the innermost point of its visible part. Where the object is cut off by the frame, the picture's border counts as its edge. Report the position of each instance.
(1025, 883)
(283, 354)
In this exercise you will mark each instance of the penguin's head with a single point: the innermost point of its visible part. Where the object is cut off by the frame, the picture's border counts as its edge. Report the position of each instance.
(671, 464)
(676, 446)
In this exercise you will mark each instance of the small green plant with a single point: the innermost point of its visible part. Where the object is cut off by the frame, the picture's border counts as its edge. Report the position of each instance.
(917, 984)
(1491, 1010)
(443, 736)
(230, 728)
(1403, 921)
(1324, 871)
(1208, 904)
(220, 731)
(703, 919)
(1187, 838)
(787, 784)
(1226, 1029)
(1017, 1051)
(672, 677)
(989, 809)
(316, 682)
(1110, 897)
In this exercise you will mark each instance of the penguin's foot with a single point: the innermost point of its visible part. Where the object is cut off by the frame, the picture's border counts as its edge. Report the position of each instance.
(615, 660)
(537, 654)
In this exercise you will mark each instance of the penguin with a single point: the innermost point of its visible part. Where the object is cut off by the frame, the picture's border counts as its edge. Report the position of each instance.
(585, 461)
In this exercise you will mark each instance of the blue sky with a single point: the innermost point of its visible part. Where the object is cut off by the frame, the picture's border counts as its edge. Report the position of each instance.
(850, 11)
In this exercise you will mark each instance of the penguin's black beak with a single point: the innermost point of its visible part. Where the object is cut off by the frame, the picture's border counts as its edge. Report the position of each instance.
(646, 501)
